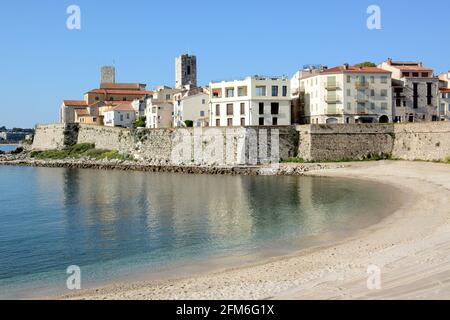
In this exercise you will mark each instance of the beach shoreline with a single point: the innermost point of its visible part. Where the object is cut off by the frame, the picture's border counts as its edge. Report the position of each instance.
(410, 248)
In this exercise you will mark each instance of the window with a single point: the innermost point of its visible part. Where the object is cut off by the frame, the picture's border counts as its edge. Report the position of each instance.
(372, 79)
(405, 74)
(242, 108)
(261, 108)
(425, 74)
(167, 96)
(429, 93)
(230, 122)
(349, 105)
(349, 79)
(274, 91)
(384, 79)
(372, 105)
(217, 93)
(202, 113)
(274, 108)
(229, 92)
(284, 91)
(203, 101)
(121, 117)
(242, 122)
(274, 121)
(372, 93)
(383, 92)
(188, 70)
(124, 99)
(260, 91)
(384, 106)
(415, 95)
(217, 109)
(217, 122)
(229, 109)
(128, 116)
(349, 92)
(97, 98)
(242, 91)
(415, 74)
(261, 121)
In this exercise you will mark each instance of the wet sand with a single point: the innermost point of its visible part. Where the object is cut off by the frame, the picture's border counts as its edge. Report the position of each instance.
(411, 247)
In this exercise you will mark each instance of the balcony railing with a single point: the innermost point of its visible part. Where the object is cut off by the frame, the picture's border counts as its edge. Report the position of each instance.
(362, 85)
(332, 86)
(332, 100)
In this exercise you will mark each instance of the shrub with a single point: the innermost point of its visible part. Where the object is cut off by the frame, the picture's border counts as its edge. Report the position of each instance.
(189, 123)
(140, 122)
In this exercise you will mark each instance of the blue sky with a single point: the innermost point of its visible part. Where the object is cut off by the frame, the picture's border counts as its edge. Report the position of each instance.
(42, 62)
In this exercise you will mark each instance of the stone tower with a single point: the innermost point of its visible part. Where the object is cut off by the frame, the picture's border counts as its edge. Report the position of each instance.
(108, 74)
(185, 71)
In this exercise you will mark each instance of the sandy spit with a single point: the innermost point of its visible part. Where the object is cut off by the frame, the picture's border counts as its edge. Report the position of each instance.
(411, 248)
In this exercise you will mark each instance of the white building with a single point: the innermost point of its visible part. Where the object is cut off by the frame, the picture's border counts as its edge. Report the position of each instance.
(123, 116)
(191, 105)
(345, 94)
(159, 114)
(253, 101)
(444, 96)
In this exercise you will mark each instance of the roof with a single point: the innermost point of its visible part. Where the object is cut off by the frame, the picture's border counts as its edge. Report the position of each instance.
(408, 66)
(123, 86)
(123, 107)
(444, 90)
(355, 69)
(118, 91)
(82, 112)
(75, 103)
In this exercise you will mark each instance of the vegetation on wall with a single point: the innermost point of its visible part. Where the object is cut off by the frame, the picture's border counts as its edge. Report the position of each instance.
(140, 122)
(83, 150)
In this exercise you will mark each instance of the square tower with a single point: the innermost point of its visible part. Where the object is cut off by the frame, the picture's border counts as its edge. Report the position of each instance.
(185, 71)
(108, 74)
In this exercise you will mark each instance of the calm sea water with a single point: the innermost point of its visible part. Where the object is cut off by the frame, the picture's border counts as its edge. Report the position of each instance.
(7, 147)
(114, 224)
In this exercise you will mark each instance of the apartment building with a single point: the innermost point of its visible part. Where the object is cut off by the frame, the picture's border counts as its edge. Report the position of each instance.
(253, 101)
(122, 115)
(344, 94)
(159, 114)
(415, 91)
(192, 104)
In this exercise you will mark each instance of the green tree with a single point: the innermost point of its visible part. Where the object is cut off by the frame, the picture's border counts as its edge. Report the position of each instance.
(366, 64)
(140, 122)
(189, 123)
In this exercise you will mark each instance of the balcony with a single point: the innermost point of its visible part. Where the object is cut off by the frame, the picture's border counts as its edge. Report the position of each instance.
(362, 85)
(332, 86)
(332, 100)
(362, 99)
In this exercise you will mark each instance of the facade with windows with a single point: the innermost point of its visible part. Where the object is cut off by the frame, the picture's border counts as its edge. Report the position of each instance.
(345, 94)
(415, 91)
(253, 101)
(121, 116)
(159, 114)
(191, 106)
(444, 111)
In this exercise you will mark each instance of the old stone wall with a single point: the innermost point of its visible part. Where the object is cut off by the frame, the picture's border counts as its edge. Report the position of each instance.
(256, 145)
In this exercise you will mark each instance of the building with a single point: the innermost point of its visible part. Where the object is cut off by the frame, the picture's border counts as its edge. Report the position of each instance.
(415, 91)
(108, 74)
(159, 114)
(117, 92)
(68, 109)
(192, 104)
(343, 94)
(185, 71)
(253, 101)
(122, 115)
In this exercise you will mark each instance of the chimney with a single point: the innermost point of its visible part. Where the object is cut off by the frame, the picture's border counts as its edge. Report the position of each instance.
(389, 61)
(346, 66)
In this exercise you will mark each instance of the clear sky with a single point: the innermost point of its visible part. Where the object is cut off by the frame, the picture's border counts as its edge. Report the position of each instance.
(42, 62)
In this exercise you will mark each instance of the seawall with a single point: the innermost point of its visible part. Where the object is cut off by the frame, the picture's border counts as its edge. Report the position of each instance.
(255, 145)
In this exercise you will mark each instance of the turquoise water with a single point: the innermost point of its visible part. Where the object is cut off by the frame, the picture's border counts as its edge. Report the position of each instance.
(7, 147)
(114, 224)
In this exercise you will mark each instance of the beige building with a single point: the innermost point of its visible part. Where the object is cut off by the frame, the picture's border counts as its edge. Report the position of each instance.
(253, 101)
(344, 94)
(415, 91)
(159, 114)
(192, 104)
(68, 109)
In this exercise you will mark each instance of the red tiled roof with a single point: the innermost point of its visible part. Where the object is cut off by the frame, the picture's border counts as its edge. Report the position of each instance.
(118, 91)
(82, 112)
(354, 69)
(445, 90)
(123, 107)
(122, 86)
(116, 103)
(75, 103)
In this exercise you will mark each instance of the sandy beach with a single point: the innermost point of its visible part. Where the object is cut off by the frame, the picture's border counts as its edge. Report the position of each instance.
(411, 247)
